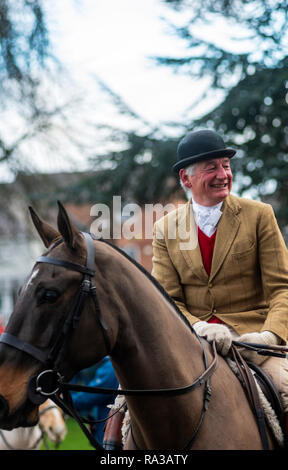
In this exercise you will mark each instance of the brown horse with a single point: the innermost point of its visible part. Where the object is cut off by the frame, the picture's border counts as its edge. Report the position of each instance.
(151, 347)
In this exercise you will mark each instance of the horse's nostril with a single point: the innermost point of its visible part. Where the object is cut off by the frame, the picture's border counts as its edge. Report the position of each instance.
(4, 407)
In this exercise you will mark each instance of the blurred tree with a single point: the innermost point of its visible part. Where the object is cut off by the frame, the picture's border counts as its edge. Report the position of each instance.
(140, 173)
(226, 39)
(250, 67)
(39, 113)
(254, 117)
(140, 170)
(23, 40)
(36, 108)
(24, 50)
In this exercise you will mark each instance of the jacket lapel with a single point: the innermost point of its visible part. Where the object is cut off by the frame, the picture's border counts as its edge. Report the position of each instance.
(191, 254)
(226, 232)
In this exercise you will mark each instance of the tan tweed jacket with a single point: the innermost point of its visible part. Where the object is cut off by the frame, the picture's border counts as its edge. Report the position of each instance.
(248, 284)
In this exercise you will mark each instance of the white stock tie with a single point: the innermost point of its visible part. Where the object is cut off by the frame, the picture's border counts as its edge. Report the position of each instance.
(207, 218)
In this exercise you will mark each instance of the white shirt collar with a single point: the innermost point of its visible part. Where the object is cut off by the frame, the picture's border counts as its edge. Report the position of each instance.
(207, 217)
(197, 207)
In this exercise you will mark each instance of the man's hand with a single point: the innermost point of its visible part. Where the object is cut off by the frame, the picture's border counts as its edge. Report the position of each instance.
(266, 337)
(215, 332)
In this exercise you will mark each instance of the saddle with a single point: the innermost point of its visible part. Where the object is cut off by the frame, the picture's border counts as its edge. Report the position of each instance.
(270, 391)
(252, 375)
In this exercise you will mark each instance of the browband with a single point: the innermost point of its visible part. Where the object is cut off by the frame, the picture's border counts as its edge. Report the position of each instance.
(66, 264)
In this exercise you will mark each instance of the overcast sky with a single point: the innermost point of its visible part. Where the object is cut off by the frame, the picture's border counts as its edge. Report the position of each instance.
(115, 40)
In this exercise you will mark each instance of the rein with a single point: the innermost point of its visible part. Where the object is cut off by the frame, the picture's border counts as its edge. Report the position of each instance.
(203, 378)
(144, 392)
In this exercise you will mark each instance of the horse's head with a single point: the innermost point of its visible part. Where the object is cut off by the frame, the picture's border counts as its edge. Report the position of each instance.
(42, 320)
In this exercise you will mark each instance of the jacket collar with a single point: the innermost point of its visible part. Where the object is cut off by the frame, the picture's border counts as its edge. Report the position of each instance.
(226, 232)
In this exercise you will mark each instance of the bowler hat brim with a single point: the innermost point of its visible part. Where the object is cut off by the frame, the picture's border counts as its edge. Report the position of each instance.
(222, 153)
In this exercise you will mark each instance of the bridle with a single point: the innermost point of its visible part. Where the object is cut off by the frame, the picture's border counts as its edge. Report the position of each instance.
(49, 382)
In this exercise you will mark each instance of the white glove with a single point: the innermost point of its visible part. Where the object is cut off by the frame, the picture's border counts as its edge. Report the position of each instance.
(215, 332)
(266, 337)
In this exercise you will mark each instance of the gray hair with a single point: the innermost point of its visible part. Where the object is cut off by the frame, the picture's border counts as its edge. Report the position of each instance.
(190, 170)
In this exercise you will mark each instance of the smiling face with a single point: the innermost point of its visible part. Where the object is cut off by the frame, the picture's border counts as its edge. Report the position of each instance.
(211, 182)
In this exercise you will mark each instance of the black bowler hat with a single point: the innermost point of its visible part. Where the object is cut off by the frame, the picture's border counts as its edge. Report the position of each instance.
(201, 145)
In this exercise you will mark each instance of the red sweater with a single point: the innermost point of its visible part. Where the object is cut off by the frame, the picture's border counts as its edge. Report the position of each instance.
(206, 245)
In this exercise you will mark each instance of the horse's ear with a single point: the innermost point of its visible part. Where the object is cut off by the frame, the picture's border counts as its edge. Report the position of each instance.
(46, 232)
(69, 233)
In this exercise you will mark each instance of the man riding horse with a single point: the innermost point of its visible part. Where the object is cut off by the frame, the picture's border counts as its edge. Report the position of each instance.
(231, 279)
(233, 283)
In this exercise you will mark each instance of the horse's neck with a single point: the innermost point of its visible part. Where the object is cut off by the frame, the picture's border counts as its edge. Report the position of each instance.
(157, 350)
(156, 347)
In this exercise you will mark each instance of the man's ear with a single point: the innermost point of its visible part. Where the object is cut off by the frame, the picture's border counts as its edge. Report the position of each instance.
(70, 234)
(184, 178)
(47, 233)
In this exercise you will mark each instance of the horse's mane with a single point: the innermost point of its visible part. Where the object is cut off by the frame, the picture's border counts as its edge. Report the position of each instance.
(151, 278)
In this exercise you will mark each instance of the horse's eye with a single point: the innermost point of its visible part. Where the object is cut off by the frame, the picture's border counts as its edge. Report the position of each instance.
(50, 296)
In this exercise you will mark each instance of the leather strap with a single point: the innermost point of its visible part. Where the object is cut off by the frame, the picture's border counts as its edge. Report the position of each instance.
(252, 394)
(147, 392)
(12, 340)
(66, 264)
